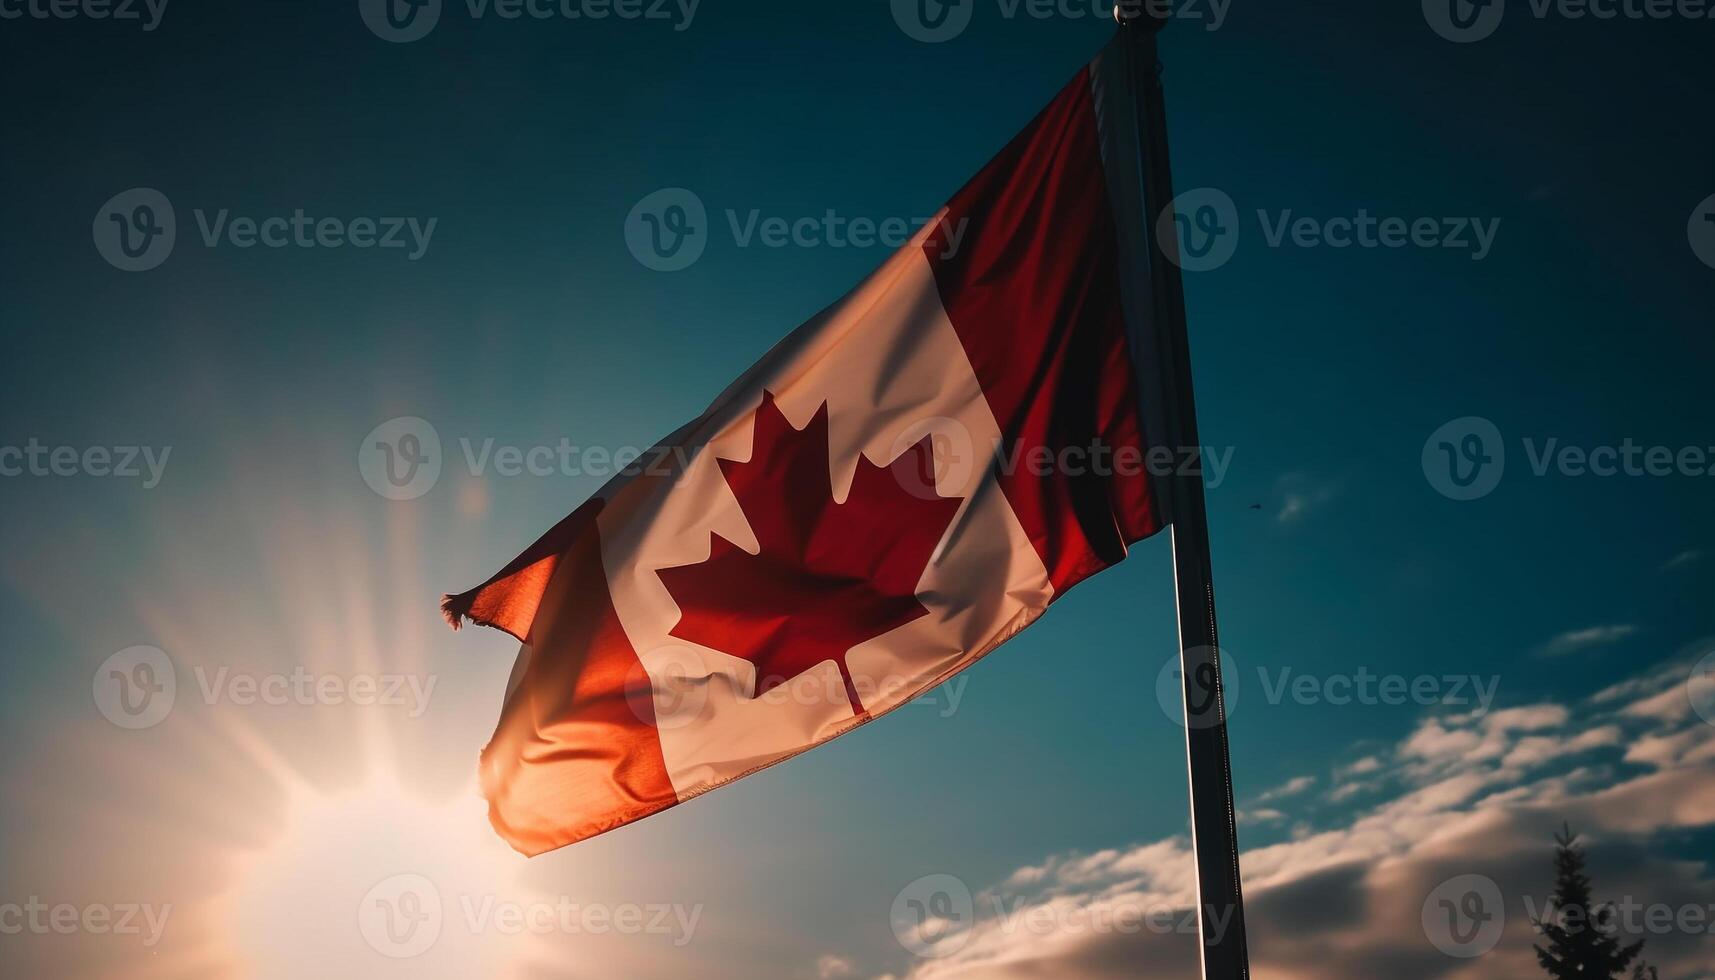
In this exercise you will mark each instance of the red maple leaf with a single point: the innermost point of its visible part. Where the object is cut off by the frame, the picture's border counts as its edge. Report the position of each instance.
(828, 575)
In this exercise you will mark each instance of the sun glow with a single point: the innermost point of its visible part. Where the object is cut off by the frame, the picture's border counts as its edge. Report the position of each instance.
(305, 804)
(364, 883)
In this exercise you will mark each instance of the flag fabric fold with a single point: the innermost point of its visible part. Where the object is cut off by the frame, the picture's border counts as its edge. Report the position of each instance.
(899, 486)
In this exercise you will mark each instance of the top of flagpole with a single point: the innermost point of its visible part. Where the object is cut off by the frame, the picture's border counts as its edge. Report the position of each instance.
(1145, 13)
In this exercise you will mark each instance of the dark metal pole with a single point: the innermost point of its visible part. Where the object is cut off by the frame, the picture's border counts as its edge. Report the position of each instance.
(1214, 833)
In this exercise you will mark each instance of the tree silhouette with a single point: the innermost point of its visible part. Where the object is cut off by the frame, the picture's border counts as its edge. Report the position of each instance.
(1581, 938)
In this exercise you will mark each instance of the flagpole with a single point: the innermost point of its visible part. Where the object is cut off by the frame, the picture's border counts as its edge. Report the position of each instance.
(1214, 836)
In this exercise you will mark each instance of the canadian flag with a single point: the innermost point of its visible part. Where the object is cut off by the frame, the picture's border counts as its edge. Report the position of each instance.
(899, 486)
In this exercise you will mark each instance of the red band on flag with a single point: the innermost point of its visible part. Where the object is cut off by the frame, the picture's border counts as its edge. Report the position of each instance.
(576, 752)
(1033, 292)
(508, 600)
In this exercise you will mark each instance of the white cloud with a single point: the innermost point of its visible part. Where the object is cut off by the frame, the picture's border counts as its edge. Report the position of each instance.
(1532, 718)
(1587, 639)
(1670, 705)
(1682, 560)
(1537, 750)
(1291, 787)
(1434, 743)
(1695, 744)
(1299, 496)
(832, 967)
(1348, 790)
(1345, 902)
(1362, 767)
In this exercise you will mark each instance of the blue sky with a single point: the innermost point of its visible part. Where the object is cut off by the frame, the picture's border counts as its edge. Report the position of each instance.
(526, 319)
